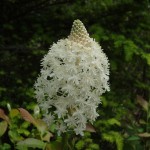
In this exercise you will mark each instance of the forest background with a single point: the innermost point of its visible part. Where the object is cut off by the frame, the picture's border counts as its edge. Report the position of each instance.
(122, 27)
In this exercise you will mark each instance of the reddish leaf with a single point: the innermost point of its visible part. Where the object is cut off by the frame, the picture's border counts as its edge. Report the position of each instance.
(90, 128)
(3, 116)
(27, 116)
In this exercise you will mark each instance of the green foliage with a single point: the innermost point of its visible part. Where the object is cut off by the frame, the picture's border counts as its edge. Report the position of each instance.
(121, 27)
(146, 56)
(87, 143)
(80, 145)
(30, 142)
(114, 137)
(18, 132)
(137, 134)
(5, 146)
(3, 127)
(105, 126)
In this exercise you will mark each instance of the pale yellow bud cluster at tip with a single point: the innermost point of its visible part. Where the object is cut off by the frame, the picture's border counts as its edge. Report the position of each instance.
(79, 33)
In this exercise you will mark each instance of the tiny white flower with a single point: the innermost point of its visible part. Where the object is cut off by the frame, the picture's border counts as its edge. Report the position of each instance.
(70, 121)
(79, 131)
(74, 74)
(61, 128)
(49, 119)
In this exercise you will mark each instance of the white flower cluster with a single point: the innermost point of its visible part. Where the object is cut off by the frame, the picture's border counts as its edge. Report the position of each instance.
(75, 73)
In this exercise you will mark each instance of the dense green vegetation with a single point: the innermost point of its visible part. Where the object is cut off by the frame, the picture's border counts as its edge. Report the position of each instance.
(122, 27)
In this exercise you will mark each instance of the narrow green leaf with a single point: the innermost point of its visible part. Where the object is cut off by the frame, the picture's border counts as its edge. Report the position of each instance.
(113, 121)
(133, 138)
(108, 137)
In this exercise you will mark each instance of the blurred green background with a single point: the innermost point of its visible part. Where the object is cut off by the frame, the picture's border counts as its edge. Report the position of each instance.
(122, 27)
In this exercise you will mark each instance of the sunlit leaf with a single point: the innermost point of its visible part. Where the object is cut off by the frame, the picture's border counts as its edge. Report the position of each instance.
(3, 127)
(146, 56)
(36, 110)
(113, 121)
(80, 144)
(30, 143)
(41, 125)
(130, 49)
(14, 136)
(13, 113)
(25, 125)
(24, 132)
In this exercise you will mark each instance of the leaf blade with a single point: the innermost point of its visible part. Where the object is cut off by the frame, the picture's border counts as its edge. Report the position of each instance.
(30, 142)
(3, 127)
(3, 115)
(90, 128)
(144, 135)
(27, 116)
(142, 102)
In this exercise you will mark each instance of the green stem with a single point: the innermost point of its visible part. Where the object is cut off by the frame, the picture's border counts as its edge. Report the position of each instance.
(147, 123)
(66, 142)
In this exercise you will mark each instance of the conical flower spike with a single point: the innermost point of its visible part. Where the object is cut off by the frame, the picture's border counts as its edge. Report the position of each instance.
(79, 34)
(74, 74)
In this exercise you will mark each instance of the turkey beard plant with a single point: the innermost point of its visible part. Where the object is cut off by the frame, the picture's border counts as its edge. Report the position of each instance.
(74, 74)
